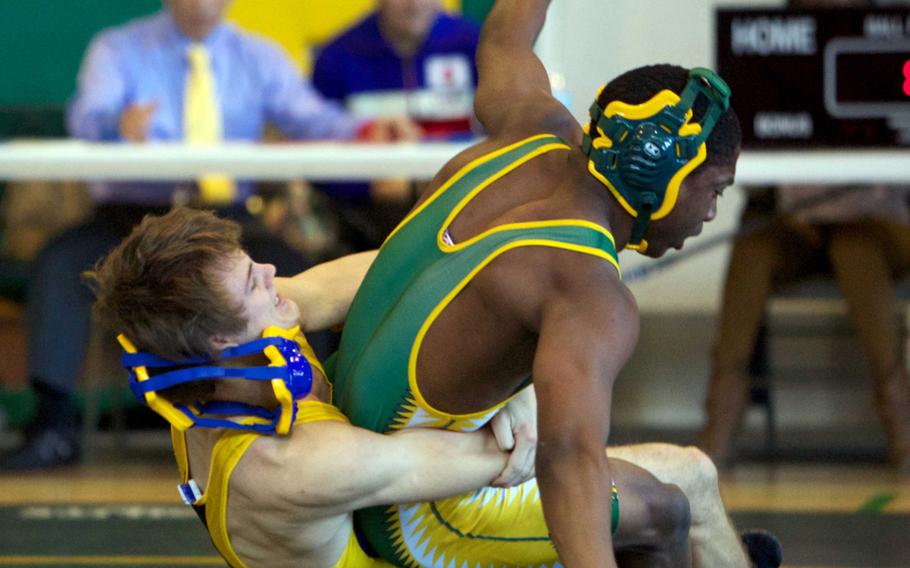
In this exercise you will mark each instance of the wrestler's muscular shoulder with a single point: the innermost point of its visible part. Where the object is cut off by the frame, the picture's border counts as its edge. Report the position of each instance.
(485, 343)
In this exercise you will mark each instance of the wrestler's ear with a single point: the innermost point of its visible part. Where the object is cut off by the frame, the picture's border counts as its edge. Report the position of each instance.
(219, 343)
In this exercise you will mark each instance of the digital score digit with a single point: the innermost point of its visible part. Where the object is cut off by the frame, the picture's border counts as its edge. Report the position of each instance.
(867, 78)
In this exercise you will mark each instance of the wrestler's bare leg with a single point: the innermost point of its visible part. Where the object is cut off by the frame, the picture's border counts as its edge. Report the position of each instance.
(712, 538)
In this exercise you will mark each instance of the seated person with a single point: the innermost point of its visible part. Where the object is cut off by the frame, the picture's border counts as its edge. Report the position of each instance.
(272, 500)
(406, 58)
(858, 234)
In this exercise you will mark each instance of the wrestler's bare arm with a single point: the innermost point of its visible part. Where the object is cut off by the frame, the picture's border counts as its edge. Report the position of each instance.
(324, 293)
(513, 95)
(334, 468)
(588, 330)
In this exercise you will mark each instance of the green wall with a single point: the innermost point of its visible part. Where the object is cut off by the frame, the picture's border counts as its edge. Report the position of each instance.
(42, 42)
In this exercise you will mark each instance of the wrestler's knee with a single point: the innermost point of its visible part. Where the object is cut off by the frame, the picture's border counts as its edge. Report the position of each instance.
(691, 469)
(669, 512)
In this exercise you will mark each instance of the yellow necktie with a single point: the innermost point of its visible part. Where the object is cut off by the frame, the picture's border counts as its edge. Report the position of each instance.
(202, 122)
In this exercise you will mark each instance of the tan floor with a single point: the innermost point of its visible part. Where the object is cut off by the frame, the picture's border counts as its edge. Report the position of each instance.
(778, 488)
(148, 477)
(815, 488)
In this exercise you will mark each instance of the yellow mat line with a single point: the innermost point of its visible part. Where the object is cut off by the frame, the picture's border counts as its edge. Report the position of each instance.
(111, 560)
(817, 498)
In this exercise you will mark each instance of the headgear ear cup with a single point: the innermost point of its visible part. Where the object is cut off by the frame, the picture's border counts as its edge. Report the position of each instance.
(650, 148)
(290, 372)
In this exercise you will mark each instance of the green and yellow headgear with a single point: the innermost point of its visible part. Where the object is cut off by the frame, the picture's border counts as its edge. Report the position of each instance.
(643, 152)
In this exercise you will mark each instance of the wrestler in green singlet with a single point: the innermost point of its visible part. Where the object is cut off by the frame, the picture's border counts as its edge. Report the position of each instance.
(417, 273)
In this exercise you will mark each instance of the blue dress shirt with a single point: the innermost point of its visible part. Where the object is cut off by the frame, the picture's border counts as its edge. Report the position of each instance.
(145, 61)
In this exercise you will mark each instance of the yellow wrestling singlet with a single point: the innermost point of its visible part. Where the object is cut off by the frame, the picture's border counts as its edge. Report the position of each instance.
(227, 453)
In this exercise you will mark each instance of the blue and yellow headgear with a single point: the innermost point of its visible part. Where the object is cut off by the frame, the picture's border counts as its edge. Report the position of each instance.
(289, 371)
(642, 153)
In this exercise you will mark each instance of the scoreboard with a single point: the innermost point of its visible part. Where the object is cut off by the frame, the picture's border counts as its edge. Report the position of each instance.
(828, 78)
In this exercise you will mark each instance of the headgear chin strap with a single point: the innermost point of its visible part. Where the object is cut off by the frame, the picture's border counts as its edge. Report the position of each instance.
(289, 371)
(642, 153)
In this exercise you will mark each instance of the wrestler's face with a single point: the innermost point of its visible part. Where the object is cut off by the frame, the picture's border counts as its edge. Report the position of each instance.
(695, 206)
(252, 286)
(196, 18)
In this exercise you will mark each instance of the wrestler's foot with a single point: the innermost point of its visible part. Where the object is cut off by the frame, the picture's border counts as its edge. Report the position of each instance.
(763, 548)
